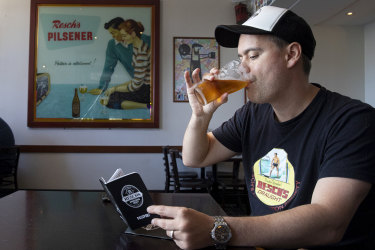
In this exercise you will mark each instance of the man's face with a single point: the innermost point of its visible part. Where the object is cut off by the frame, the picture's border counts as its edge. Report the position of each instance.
(265, 66)
(115, 34)
(126, 37)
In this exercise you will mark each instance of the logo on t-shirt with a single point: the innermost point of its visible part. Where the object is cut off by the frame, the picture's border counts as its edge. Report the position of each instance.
(274, 178)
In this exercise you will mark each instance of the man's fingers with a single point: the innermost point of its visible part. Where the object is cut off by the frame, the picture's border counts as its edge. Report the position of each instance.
(188, 81)
(166, 224)
(167, 221)
(195, 75)
(163, 211)
(214, 71)
(95, 91)
(189, 84)
(222, 99)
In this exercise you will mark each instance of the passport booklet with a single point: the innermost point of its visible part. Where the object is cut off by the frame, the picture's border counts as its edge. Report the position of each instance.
(130, 197)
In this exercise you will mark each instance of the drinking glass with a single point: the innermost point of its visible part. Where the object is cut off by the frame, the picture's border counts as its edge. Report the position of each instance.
(104, 101)
(229, 80)
(83, 90)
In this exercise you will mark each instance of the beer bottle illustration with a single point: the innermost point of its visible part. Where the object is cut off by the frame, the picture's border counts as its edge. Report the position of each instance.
(76, 109)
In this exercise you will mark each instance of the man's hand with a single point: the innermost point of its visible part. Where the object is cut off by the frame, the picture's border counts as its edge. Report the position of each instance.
(109, 91)
(95, 91)
(198, 109)
(191, 229)
(199, 147)
(119, 88)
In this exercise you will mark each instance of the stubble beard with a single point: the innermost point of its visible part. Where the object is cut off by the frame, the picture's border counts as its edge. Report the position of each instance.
(262, 92)
(255, 91)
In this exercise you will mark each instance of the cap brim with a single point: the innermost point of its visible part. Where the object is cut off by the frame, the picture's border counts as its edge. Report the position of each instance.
(228, 35)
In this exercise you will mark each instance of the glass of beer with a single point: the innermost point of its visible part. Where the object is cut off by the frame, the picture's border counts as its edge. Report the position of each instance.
(104, 101)
(83, 90)
(229, 80)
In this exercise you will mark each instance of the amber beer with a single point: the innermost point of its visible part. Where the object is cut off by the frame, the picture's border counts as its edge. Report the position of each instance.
(83, 89)
(209, 91)
(104, 100)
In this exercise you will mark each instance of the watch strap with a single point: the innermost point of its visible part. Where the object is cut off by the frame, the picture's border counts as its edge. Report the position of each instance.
(219, 221)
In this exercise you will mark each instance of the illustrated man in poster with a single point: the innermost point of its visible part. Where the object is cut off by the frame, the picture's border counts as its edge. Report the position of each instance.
(117, 51)
(194, 55)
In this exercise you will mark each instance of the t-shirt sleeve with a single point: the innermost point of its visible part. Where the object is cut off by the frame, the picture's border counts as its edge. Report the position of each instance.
(349, 148)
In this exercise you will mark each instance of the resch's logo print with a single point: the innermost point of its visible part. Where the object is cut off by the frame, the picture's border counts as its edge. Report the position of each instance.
(274, 178)
(132, 196)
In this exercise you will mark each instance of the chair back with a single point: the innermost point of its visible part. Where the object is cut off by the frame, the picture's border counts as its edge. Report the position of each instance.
(9, 157)
(175, 154)
(167, 170)
(166, 161)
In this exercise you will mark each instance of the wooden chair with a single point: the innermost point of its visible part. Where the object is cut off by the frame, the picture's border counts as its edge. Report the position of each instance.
(233, 189)
(9, 157)
(169, 175)
(215, 174)
(219, 174)
(190, 185)
(232, 194)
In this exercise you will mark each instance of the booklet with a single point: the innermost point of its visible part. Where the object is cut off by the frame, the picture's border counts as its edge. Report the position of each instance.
(129, 195)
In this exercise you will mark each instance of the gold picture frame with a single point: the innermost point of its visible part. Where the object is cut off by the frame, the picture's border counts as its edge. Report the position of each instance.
(72, 41)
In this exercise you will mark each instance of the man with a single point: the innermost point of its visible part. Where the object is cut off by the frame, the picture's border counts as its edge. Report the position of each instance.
(275, 164)
(327, 139)
(117, 51)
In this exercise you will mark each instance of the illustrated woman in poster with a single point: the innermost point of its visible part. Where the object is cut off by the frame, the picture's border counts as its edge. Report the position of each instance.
(135, 93)
(116, 51)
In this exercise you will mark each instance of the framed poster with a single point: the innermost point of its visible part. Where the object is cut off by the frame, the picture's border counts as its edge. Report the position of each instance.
(260, 3)
(190, 53)
(94, 63)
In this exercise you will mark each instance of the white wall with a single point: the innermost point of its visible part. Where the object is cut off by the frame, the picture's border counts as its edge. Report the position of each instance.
(370, 62)
(338, 65)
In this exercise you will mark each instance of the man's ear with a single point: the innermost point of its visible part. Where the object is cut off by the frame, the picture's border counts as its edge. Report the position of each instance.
(294, 52)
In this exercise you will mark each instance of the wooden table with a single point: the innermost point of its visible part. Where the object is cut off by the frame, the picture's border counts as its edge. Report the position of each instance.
(81, 220)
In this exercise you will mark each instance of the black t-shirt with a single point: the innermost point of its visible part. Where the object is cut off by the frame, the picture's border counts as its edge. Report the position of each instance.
(332, 137)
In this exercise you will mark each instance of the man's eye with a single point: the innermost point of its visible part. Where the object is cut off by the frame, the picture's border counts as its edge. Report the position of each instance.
(252, 57)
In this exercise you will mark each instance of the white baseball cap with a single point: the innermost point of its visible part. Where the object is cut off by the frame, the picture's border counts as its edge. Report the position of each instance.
(270, 20)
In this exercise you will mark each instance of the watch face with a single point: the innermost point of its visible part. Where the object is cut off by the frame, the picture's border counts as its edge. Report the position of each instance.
(222, 234)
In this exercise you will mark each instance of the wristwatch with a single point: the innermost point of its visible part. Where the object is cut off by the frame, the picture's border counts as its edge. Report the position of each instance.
(221, 233)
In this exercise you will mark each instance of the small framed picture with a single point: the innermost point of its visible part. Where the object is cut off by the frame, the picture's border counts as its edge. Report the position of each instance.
(190, 53)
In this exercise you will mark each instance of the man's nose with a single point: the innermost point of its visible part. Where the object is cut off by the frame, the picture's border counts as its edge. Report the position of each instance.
(244, 67)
